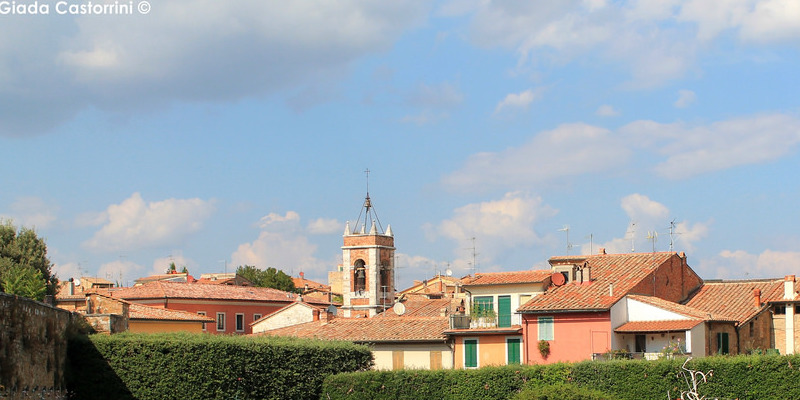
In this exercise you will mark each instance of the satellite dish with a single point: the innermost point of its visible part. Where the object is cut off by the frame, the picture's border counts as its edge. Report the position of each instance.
(449, 272)
(77, 281)
(399, 308)
(558, 279)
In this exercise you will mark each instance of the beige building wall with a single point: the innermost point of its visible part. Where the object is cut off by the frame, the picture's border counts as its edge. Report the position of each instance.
(414, 356)
(293, 315)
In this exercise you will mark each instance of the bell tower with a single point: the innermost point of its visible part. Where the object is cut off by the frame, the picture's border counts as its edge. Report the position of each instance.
(367, 265)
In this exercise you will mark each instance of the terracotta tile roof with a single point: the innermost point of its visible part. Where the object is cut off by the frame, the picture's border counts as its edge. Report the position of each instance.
(624, 271)
(681, 309)
(658, 326)
(734, 299)
(370, 330)
(177, 290)
(432, 285)
(504, 278)
(301, 282)
(417, 307)
(139, 311)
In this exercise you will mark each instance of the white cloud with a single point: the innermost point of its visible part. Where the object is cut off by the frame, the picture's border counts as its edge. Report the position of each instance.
(67, 270)
(607, 110)
(273, 218)
(135, 224)
(656, 41)
(442, 95)
(685, 98)
(518, 101)
(176, 52)
(286, 252)
(568, 150)
(739, 264)
(498, 224)
(693, 150)
(31, 212)
(322, 226)
(649, 218)
(122, 271)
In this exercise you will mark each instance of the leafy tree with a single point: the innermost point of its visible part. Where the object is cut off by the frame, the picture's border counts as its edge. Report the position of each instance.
(22, 281)
(24, 262)
(271, 277)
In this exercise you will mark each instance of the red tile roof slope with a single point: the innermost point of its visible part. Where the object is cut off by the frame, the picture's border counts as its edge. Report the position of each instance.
(503, 278)
(658, 326)
(370, 330)
(691, 312)
(624, 271)
(178, 290)
(139, 311)
(734, 299)
(415, 307)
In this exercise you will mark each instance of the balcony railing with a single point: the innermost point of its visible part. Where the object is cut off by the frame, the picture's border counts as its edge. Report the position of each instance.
(459, 321)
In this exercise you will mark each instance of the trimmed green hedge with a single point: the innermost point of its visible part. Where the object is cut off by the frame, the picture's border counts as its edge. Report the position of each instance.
(740, 377)
(202, 366)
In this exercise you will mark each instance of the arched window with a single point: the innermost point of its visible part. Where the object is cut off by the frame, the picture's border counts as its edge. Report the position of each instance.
(360, 275)
(386, 283)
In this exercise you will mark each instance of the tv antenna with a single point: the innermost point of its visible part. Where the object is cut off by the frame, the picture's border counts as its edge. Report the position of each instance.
(653, 237)
(566, 229)
(672, 234)
(474, 256)
(632, 231)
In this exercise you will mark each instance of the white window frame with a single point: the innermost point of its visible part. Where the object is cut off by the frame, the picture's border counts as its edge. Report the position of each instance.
(221, 314)
(257, 317)
(238, 316)
(203, 313)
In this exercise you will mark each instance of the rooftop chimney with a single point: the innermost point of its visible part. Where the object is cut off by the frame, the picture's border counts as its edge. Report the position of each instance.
(602, 250)
(788, 287)
(71, 287)
(302, 275)
(757, 297)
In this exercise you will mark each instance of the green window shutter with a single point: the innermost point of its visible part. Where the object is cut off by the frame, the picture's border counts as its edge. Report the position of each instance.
(513, 350)
(471, 353)
(504, 311)
(546, 328)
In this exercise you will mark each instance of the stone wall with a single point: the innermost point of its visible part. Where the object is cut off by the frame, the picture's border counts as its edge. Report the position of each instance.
(33, 345)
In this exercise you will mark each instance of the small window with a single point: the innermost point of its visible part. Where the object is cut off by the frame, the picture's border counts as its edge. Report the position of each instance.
(780, 309)
(546, 328)
(220, 321)
(203, 313)
(239, 322)
(722, 343)
(256, 317)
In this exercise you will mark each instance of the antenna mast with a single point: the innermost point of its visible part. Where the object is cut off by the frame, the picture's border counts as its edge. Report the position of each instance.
(566, 229)
(632, 231)
(653, 237)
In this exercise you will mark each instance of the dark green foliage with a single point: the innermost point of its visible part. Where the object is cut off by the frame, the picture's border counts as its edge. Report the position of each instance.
(560, 391)
(483, 383)
(740, 377)
(271, 277)
(202, 366)
(25, 269)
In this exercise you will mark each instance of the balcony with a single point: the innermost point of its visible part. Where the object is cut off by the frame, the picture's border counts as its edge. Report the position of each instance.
(459, 321)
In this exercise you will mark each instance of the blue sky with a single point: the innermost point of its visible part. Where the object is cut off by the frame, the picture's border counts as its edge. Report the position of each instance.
(230, 133)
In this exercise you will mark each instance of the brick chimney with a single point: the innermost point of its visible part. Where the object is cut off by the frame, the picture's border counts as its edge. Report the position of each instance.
(788, 287)
(757, 297)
